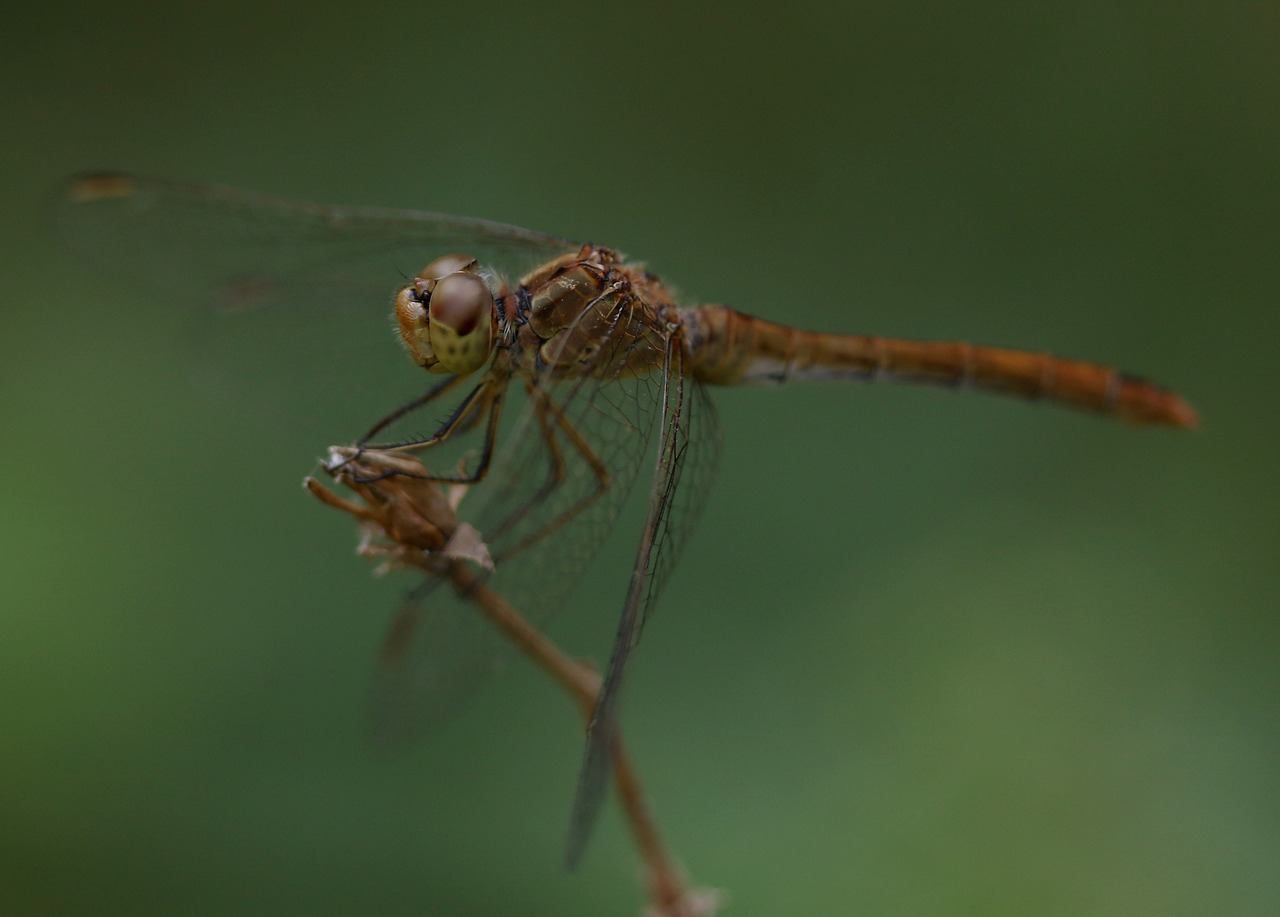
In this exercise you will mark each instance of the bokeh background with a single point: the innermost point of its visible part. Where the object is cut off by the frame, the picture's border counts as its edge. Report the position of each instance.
(928, 653)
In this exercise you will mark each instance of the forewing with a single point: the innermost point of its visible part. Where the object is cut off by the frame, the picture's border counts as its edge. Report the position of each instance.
(290, 302)
(240, 250)
(683, 472)
(437, 652)
(568, 456)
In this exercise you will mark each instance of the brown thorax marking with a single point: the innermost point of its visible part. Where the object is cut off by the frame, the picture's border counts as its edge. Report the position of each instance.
(589, 299)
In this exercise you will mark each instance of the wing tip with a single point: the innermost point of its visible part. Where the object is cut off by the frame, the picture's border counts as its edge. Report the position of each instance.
(1182, 414)
(92, 187)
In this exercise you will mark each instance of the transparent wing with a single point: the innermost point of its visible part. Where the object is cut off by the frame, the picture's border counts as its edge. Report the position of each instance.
(566, 463)
(240, 250)
(289, 302)
(683, 473)
(438, 651)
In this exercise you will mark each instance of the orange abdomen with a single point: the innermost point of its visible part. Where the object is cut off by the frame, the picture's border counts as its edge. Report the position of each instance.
(734, 348)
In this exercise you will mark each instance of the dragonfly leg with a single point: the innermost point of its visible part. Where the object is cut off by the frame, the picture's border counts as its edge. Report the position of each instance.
(551, 418)
(461, 414)
(487, 397)
(406, 409)
(555, 471)
(495, 401)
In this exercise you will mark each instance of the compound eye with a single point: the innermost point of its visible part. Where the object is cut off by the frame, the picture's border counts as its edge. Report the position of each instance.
(461, 321)
(411, 318)
(446, 265)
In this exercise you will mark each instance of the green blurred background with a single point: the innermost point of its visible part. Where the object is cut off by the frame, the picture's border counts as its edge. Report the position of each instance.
(927, 654)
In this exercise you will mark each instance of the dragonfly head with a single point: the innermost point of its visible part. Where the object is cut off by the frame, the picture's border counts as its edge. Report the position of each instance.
(446, 316)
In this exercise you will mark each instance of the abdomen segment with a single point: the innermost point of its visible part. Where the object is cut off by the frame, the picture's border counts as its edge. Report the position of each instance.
(733, 348)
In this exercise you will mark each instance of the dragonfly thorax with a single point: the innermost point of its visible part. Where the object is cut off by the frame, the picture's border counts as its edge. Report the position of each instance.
(446, 316)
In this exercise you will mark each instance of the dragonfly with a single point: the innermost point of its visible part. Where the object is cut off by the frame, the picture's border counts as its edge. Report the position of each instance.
(566, 373)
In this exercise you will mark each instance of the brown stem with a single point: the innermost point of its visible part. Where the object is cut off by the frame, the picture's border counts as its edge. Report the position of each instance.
(666, 885)
(421, 528)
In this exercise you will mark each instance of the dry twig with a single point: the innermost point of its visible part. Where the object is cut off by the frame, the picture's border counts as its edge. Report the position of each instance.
(408, 521)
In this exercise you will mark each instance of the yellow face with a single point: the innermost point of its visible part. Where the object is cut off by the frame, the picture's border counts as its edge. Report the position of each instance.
(446, 316)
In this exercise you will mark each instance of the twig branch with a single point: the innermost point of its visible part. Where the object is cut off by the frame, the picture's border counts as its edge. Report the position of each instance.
(416, 526)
